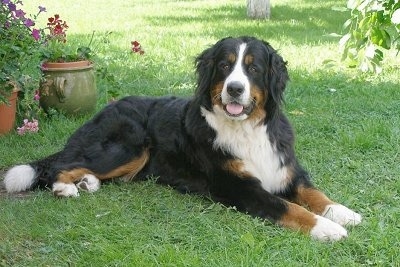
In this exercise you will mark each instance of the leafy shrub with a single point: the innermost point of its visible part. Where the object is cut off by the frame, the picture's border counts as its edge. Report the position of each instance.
(374, 25)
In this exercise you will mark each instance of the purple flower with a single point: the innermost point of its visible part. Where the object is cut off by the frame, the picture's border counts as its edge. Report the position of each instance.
(11, 6)
(6, 2)
(42, 9)
(19, 13)
(29, 23)
(36, 34)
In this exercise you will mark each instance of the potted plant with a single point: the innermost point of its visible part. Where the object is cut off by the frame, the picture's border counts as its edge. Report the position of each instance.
(68, 83)
(17, 49)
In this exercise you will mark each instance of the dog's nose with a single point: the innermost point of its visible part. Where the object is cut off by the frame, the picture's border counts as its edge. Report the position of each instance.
(235, 89)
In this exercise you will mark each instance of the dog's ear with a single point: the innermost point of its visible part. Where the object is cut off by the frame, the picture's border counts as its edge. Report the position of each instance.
(205, 70)
(276, 78)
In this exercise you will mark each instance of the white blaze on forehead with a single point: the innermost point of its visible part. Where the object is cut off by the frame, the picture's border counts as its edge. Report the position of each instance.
(238, 75)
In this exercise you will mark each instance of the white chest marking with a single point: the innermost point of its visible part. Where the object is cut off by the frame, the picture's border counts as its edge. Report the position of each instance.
(250, 143)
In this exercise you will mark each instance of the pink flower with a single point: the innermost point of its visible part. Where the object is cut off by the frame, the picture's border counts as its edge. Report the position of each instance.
(21, 130)
(28, 126)
(37, 96)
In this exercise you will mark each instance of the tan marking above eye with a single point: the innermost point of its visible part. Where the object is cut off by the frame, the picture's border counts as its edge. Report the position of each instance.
(248, 59)
(232, 58)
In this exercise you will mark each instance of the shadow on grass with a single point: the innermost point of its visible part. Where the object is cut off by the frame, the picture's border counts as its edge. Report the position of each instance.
(299, 25)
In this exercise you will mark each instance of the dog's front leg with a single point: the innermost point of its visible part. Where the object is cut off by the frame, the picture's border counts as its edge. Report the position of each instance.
(319, 203)
(247, 195)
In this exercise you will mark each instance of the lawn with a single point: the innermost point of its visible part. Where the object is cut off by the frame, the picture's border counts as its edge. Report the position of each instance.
(347, 125)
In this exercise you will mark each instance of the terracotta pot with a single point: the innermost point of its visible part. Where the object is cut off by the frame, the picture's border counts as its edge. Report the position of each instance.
(7, 114)
(69, 87)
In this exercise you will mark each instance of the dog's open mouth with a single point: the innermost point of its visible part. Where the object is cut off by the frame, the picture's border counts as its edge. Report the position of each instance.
(235, 109)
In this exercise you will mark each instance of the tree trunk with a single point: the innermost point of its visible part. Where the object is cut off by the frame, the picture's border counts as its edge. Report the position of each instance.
(258, 9)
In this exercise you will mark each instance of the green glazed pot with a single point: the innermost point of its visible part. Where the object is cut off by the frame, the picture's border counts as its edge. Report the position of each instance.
(69, 87)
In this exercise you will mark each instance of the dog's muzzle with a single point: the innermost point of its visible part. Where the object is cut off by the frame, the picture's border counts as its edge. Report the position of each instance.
(235, 105)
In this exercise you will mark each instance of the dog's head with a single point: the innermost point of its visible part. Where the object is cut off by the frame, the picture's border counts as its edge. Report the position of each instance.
(242, 78)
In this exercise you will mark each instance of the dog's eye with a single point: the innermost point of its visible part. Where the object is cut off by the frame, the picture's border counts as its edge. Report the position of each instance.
(252, 69)
(225, 66)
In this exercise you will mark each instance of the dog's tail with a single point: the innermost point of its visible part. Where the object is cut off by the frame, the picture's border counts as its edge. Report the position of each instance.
(20, 178)
(30, 176)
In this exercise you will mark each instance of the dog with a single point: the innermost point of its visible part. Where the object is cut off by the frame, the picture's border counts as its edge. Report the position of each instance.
(230, 142)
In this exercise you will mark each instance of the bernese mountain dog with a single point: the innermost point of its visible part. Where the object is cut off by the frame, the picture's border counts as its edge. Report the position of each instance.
(230, 142)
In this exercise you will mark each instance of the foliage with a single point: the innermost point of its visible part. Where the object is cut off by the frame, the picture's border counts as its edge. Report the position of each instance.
(28, 100)
(18, 46)
(23, 43)
(374, 25)
(54, 43)
(114, 85)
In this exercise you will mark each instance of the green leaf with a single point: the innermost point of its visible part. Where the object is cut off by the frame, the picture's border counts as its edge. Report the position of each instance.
(84, 52)
(365, 23)
(344, 39)
(381, 38)
(347, 24)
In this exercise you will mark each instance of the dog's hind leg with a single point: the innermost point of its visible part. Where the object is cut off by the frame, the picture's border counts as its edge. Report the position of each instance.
(129, 170)
(68, 181)
(89, 183)
(64, 185)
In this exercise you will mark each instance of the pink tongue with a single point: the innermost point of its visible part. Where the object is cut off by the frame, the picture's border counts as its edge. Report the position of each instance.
(234, 109)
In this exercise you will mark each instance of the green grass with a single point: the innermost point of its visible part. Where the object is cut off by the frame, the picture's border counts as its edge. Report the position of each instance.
(348, 139)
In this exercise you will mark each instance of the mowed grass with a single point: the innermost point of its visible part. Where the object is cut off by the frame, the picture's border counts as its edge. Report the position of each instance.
(347, 124)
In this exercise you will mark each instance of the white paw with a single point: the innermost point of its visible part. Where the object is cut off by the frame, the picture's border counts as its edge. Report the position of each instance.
(89, 183)
(326, 230)
(65, 190)
(341, 215)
